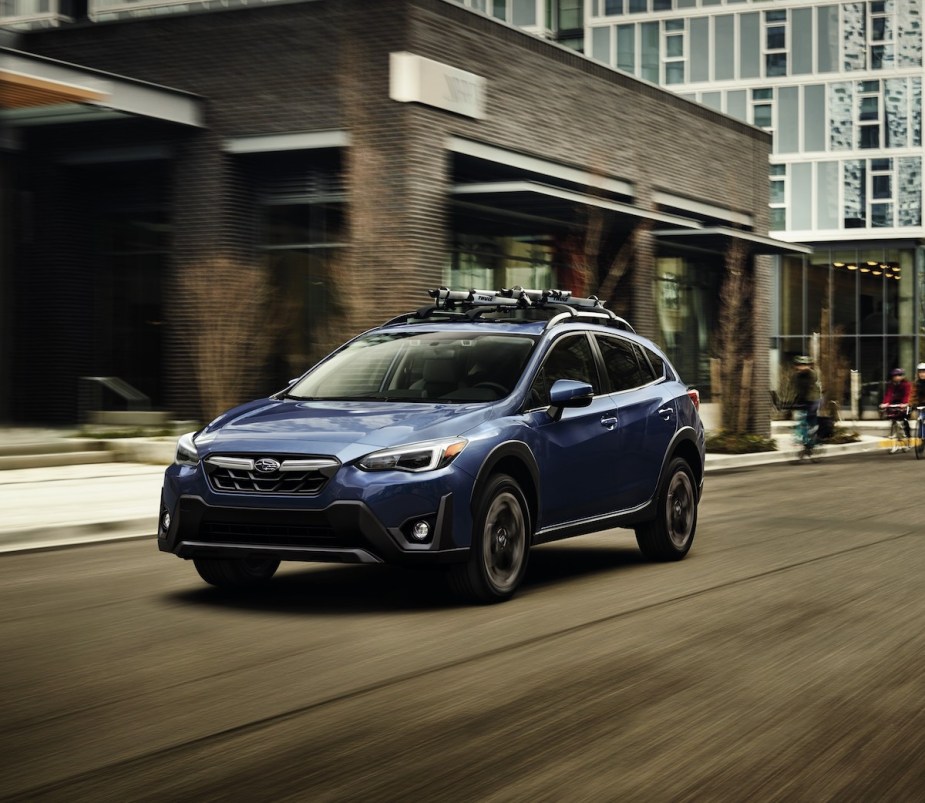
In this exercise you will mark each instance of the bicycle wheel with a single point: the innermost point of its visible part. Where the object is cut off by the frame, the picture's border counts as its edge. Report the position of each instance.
(920, 440)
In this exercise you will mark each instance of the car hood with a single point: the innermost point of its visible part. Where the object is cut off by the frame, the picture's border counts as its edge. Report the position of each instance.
(346, 430)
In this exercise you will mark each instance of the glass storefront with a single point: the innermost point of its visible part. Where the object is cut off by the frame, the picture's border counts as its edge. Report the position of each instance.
(132, 234)
(488, 263)
(302, 233)
(858, 310)
(687, 300)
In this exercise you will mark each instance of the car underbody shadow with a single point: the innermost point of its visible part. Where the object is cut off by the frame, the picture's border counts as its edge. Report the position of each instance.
(345, 590)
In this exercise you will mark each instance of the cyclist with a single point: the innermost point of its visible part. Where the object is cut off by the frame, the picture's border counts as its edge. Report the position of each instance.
(898, 393)
(806, 394)
(920, 384)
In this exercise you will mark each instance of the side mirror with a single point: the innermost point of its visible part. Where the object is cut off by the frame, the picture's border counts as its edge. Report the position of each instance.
(568, 393)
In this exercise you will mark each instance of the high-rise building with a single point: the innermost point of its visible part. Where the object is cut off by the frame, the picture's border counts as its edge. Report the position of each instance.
(839, 86)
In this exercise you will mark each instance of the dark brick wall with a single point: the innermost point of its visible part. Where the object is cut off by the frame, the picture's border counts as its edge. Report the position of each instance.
(323, 65)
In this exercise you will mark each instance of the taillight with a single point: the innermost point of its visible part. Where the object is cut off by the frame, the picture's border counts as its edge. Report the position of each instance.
(694, 395)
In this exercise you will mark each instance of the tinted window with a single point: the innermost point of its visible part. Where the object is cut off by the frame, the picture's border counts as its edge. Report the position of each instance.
(625, 364)
(569, 358)
(657, 363)
(423, 366)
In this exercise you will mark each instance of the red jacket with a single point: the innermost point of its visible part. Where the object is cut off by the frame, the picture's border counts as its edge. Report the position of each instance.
(898, 392)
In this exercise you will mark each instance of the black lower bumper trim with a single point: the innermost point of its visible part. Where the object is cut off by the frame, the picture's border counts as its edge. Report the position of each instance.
(344, 532)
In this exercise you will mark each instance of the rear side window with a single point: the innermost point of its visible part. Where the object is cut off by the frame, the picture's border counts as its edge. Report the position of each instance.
(657, 363)
(626, 366)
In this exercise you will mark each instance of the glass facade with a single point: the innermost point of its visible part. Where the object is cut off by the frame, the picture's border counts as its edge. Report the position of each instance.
(865, 101)
(862, 306)
(839, 88)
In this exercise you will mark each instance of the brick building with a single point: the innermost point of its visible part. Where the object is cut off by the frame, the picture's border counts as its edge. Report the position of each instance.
(362, 153)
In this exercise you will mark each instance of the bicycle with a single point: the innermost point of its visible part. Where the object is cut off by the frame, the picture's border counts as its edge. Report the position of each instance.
(920, 432)
(804, 436)
(897, 414)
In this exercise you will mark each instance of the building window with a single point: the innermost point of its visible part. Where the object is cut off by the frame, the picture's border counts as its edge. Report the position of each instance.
(570, 15)
(674, 51)
(27, 11)
(880, 40)
(775, 43)
(854, 34)
(869, 114)
(777, 195)
(881, 192)
(651, 62)
(841, 116)
(854, 186)
(626, 48)
(910, 192)
(611, 7)
(763, 108)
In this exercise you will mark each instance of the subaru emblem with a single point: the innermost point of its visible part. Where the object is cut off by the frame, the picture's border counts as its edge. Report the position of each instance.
(267, 465)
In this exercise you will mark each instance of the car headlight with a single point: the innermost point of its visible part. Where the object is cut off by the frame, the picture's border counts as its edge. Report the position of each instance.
(187, 454)
(424, 456)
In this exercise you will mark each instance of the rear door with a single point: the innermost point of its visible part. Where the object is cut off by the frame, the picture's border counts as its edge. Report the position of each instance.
(646, 418)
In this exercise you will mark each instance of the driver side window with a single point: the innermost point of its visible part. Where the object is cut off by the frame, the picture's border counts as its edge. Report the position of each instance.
(569, 358)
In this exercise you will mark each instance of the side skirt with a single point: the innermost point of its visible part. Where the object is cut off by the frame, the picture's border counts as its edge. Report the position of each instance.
(624, 518)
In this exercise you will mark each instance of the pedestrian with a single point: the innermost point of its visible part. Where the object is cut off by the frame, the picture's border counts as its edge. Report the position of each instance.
(806, 391)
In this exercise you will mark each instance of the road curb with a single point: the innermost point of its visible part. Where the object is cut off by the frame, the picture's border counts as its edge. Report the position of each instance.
(727, 462)
(40, 539)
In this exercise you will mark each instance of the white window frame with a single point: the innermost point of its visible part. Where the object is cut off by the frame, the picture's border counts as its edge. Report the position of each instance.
(679, 33)
(871, 201)
(766, 26)
(859, 123)
(890, 16)
(782, 177)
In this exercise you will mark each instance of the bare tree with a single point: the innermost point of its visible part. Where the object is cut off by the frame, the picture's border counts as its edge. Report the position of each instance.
(621, 261)
(834, 366)
(225, 325)
(734, 340)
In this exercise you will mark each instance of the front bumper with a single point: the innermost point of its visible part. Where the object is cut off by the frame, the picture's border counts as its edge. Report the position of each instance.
(342, 532)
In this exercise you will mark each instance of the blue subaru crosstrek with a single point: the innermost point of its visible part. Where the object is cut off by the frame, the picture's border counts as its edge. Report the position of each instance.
(459, 436)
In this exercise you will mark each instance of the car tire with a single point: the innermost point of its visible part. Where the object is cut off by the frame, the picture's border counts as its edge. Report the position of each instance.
(670, 534)
(236, 573)
(497, 559)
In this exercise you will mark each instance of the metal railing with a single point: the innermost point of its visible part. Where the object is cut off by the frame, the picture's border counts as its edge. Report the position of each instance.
(108, 393)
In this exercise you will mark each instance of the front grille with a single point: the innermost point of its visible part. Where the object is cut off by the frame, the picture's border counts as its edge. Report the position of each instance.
(292, 475)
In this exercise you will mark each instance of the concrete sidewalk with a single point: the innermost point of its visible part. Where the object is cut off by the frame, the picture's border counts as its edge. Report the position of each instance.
(43, 508)
(58, 506)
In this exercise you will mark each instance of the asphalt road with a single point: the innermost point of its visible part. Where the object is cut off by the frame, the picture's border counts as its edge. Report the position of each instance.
(782, 660)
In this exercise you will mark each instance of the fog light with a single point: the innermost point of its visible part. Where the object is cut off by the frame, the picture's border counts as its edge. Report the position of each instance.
(420, 531)
(165, 521)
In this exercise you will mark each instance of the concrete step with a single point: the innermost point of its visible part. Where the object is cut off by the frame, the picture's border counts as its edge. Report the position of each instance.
(129, 418)
(51, 445)
(46, 459)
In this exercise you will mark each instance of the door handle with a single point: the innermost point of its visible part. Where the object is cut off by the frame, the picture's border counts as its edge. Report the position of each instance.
(666, 412)
(609, 422)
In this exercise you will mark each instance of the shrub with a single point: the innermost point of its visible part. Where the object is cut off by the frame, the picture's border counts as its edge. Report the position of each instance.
(738, 443)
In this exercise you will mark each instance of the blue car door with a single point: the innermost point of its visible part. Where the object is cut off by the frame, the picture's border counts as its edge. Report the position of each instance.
(575, 453)
(646, 413)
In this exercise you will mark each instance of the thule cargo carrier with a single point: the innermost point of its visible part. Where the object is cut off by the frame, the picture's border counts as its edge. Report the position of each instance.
(513, 304)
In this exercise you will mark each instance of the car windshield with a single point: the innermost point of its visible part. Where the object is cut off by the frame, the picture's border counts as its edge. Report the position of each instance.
(420, 366)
